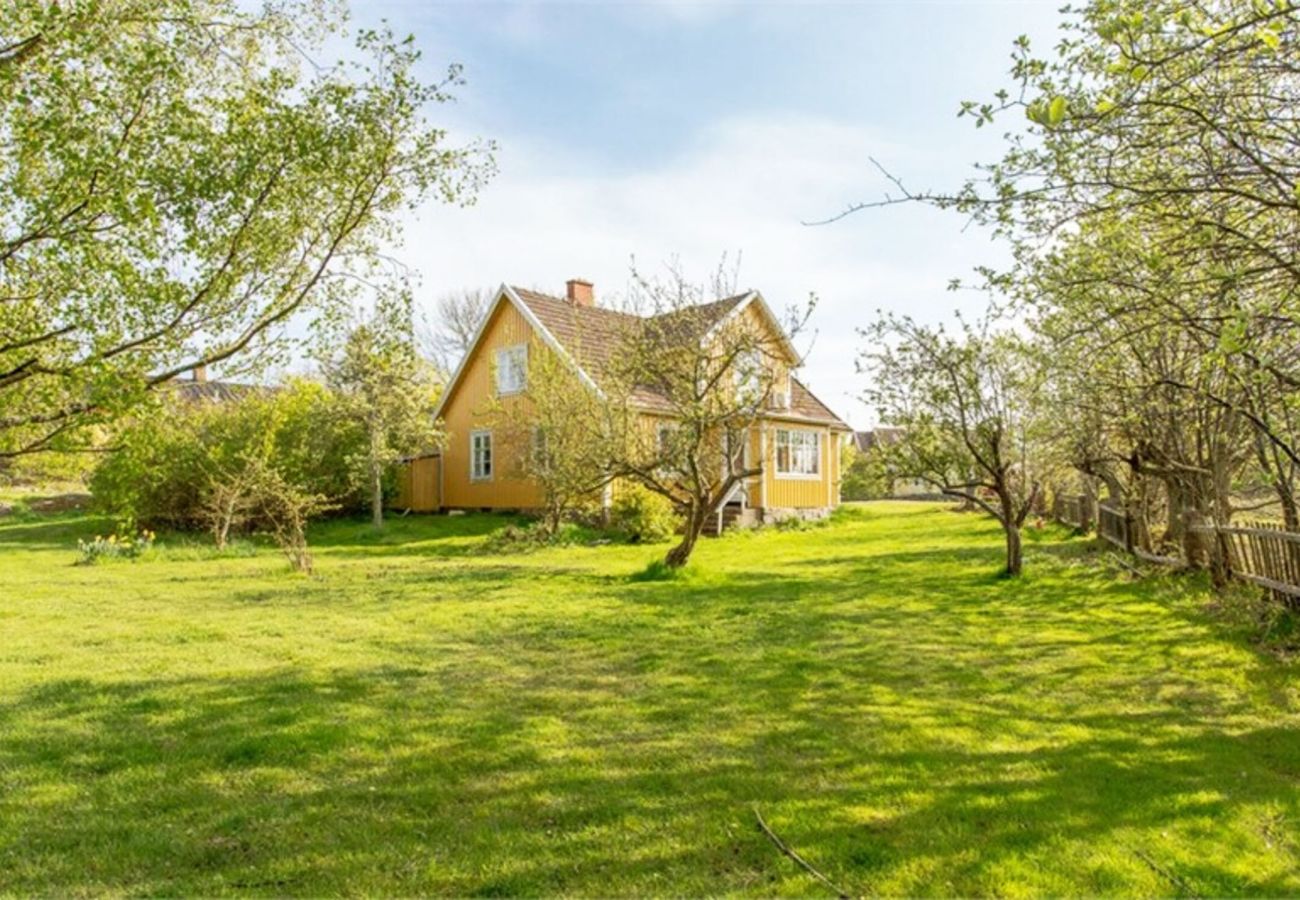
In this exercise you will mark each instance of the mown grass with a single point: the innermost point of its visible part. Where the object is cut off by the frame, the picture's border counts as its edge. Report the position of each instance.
(425, 718)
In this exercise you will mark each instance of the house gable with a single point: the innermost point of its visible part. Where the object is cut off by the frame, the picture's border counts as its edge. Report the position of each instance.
(506, 297)
(754, 310)
(466, 409)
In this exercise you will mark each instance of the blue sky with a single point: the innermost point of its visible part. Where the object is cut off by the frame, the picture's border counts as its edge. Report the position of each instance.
(689, 130)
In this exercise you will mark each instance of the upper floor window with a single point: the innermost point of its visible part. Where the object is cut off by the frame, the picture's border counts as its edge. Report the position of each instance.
(798, 453)
(665, 436)
(749, 375)
(480, 455)
(512, 369)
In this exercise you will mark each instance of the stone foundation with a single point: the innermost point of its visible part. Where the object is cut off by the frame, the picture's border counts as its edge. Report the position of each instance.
(773, 514)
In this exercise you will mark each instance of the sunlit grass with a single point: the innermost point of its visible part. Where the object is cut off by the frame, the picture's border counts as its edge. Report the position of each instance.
(423, 718)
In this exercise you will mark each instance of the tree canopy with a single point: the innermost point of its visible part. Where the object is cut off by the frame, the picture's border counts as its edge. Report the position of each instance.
(178, 178)
(1149, 192)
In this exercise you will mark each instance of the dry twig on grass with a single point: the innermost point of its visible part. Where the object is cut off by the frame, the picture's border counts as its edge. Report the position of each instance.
(803, 863)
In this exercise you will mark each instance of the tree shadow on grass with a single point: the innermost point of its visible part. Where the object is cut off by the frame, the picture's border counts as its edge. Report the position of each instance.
(906, 723)
(52, 531)
(466, 776)
(416, 535)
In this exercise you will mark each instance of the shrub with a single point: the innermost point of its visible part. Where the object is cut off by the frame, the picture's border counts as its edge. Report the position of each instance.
(535, 535)
(193, 465)
(643, 516)
(865, 475)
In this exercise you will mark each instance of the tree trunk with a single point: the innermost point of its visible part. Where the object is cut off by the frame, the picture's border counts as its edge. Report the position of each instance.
(1011, 527)
(1014, 552)
(1088, 504)
(376, 494)
(679, 555)
(1139, 524)
(1175, 512)
(1290, 512)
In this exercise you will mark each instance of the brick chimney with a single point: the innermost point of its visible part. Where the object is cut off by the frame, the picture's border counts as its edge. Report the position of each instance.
(199, 373)
(579, 292)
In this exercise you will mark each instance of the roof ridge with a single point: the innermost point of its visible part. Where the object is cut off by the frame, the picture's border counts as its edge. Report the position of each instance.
(734, 298)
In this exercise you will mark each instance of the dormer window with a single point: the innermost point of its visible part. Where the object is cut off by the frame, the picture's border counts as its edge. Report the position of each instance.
(512, 369)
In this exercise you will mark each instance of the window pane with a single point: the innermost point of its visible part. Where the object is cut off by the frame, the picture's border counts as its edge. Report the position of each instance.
(512, 369)
(481, 455)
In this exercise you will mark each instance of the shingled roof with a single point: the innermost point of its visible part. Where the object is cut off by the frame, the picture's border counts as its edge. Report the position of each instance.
(213, 391)
(591, 334)
(804, 403)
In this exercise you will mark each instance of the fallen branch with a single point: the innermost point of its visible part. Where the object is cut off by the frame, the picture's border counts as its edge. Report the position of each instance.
(1172, 877)
(1132, 569)
(803, 863)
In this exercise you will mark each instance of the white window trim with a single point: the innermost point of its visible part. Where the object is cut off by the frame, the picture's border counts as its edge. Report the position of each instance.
(748, 375)
(776, 456)
(473, 458)
(507, 350)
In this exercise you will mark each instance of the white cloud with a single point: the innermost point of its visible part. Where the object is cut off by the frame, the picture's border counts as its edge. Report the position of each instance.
(744, 185)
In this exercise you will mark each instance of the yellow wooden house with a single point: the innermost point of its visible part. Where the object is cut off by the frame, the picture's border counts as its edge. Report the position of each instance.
(797, 439)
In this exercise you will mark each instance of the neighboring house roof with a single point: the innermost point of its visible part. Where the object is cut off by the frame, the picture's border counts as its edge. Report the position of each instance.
(589, 335)
(213, 391)
(865, 440)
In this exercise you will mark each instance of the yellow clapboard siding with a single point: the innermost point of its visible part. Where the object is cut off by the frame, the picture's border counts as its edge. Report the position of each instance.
(473, 406)
(470, 408)
(801, 493)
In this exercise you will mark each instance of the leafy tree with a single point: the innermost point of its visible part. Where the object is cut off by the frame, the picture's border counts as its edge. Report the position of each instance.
(194, 464)
(178, 180)
(555, 432)
(382, 385)
(1151, 199)
(866, 474)
(965, 406)
(705, 378)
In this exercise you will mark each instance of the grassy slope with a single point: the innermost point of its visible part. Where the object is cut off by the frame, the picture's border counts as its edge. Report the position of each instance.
(423, 719)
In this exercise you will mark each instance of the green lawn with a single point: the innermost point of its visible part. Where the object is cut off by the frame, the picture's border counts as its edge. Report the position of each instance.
(423, 718)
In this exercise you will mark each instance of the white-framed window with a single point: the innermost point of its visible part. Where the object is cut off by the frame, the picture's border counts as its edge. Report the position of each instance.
(749, 375)
(738, 448)
(480, 456)
(798, 453)
(512, 369)
(665, 447)
(664, 440)
(540, 448)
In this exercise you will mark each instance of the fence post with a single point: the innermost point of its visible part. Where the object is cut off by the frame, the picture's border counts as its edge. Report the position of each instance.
(1128, 530)
(1195, 554)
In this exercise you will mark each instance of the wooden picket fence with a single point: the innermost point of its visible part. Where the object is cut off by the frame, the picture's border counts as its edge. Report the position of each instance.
(1071, 509)
(1115, 525)
(1263, 553)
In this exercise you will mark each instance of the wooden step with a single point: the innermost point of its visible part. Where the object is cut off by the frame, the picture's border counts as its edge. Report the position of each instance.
(733, 516)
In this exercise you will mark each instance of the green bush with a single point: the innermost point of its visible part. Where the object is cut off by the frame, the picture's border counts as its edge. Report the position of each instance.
(643, 516)
(531, 536)
(865, 475)
(172, 458)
